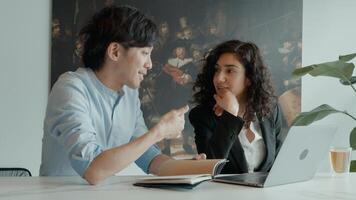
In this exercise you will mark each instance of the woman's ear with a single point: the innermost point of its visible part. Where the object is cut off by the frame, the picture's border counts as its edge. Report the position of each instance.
(114, 51)
(247, 82)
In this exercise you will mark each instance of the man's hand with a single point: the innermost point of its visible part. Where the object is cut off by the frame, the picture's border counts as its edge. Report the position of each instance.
(183, 79)
(171, 124)
(225, 100)
(201, 156)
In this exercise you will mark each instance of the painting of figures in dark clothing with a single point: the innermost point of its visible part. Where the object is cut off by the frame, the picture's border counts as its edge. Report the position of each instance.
(187, 31)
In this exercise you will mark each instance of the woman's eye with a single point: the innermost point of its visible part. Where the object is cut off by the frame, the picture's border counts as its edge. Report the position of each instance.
(231, 71)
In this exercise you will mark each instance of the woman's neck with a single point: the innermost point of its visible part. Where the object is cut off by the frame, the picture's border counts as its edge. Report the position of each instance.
(242, 106)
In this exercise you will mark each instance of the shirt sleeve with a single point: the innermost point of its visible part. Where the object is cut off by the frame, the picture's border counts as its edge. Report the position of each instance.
(215, 141)
(69, 122)
(145, 159)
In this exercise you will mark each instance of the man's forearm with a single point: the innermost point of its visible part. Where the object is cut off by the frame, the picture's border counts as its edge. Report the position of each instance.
(116, 159)
(156, 163)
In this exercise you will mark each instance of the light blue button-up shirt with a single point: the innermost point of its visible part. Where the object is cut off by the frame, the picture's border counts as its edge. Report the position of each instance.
(84, 118)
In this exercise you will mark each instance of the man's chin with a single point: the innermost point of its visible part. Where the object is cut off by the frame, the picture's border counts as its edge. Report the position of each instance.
(134, 85)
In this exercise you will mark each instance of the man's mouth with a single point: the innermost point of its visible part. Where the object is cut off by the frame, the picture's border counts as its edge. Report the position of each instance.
(142, 75)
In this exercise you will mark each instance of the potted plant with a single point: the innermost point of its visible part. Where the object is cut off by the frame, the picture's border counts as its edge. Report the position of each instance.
(341, 69)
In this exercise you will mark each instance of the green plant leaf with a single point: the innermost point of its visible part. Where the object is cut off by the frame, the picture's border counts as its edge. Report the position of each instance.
(353, 139)
(336, 69)
(353, 166)
(318, 113)
(347, 57)
(301, 71)
(352, 81)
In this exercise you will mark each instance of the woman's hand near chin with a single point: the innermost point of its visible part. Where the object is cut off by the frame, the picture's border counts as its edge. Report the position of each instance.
(225, 100)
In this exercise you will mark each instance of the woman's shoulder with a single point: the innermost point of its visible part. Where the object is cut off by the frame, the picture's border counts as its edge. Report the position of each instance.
(276, 114)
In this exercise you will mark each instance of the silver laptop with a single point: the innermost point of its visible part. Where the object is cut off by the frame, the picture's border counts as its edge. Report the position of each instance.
(298, 159)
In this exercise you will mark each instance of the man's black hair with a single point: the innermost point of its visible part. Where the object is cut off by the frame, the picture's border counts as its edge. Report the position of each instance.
(122, 24)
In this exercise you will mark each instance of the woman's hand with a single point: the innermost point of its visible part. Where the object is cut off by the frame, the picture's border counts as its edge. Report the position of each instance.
(225, 100)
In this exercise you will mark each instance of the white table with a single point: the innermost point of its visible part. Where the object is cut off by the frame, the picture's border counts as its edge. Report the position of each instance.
(323, 186)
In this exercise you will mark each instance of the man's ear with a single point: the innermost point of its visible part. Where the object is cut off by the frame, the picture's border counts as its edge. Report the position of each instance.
(114, 51)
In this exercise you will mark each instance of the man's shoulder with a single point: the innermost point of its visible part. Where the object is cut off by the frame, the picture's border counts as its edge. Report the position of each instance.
(71, 84)
(73, 78)
(80, 74)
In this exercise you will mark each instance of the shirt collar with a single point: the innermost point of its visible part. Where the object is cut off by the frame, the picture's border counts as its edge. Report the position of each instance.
(254, 126)
(103, 88)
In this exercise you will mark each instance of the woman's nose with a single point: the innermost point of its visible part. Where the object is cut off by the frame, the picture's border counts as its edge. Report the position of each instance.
(220, 77)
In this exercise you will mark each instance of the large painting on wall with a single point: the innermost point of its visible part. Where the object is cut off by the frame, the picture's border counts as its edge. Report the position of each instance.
(187, 31)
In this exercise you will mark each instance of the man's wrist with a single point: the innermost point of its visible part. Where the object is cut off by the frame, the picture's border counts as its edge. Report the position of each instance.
(154, 133)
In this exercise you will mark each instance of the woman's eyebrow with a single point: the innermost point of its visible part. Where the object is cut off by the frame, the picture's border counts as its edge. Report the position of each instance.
(231, 65)
(227, 65)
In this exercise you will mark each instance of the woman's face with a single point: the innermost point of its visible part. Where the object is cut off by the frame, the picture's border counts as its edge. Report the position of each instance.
(230, 75)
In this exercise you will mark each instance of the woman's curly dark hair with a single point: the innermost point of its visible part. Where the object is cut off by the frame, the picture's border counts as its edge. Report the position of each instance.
(260, 94)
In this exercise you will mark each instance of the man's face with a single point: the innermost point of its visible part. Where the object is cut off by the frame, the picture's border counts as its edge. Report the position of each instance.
(197, 54)
(164, 28)
(180, 52)
(213, 30)
(135, 62)
(188, 33)
(56, 29)
(183, 22)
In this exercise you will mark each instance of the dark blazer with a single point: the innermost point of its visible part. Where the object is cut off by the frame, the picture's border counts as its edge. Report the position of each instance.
(217, 137)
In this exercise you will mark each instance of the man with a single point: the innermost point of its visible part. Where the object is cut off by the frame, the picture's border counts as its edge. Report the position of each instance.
(94, 125)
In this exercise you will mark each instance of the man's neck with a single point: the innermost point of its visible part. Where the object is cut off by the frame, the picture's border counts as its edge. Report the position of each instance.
(107, 77)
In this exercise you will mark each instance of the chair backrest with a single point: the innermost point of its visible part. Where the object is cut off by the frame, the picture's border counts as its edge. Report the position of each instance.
(353, 166)
(14, 172)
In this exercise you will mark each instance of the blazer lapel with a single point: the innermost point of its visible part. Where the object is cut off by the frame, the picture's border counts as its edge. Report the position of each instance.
(239, 156)
(267, 133)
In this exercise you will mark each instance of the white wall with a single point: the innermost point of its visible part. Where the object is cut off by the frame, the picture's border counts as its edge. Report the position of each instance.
(24, 75)
(329, 31)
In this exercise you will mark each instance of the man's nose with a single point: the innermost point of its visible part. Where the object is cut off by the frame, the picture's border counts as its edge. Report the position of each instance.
(148, 64)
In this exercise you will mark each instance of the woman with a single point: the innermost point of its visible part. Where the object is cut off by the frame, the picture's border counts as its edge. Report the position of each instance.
(237, 117)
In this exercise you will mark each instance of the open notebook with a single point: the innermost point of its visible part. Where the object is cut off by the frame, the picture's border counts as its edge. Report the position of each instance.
(183, 173)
